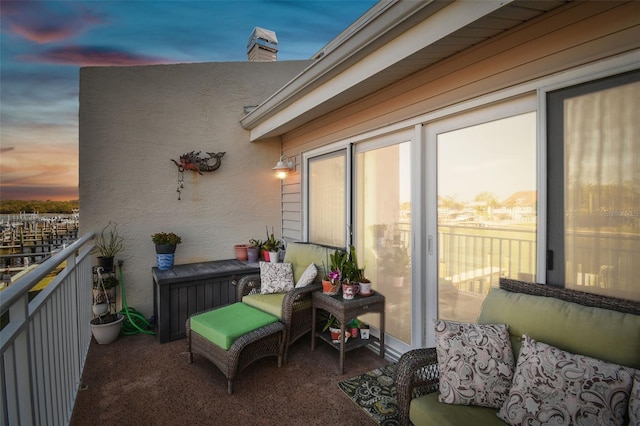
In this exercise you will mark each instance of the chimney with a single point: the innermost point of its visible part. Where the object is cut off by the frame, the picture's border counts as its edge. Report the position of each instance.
(262, 46)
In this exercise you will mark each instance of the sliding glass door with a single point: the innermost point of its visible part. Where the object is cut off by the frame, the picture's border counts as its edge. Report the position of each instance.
(383, 229)
(484, 204)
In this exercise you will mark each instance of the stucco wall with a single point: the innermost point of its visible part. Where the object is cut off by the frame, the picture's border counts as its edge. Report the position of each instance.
(133, 120)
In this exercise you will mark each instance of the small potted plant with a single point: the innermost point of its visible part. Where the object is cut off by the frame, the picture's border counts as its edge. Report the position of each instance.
(331, 283)
(253, 251)
(165, 243)
(105, 327)
(108, 243)
(350, 272)
(271, 246)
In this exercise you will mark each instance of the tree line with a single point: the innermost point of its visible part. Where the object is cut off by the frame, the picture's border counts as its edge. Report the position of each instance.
(38, 206)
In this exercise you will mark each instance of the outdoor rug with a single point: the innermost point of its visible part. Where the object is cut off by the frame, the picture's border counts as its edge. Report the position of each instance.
(375, 393)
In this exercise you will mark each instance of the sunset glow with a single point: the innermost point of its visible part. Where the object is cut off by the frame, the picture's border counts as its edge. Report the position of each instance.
(44, 44)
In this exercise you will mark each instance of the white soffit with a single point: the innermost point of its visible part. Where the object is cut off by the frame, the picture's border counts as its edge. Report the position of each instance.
(375, 52)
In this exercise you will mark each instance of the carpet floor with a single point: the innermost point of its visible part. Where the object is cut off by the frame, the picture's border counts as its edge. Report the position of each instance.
(137, 381)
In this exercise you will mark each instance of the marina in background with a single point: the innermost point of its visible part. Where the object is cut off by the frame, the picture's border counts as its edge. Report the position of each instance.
(28, 239)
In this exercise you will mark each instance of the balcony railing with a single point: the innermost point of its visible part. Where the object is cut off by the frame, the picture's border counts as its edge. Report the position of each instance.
(44, 344)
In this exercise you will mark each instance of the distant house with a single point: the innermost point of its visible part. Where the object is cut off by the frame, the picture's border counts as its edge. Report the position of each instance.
(367, 124)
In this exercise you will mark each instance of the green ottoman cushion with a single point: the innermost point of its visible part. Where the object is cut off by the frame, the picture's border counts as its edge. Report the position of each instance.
(224, 325)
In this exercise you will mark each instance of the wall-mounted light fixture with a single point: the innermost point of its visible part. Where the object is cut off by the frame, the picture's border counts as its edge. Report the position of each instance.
(283, 167)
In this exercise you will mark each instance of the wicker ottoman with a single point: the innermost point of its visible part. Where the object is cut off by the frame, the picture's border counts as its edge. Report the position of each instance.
(234, 336)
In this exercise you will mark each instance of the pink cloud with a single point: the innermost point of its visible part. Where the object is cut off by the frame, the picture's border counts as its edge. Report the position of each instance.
(92, 56)
(47, 22)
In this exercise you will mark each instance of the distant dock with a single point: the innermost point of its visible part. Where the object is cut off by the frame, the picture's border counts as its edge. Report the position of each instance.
(30, 238)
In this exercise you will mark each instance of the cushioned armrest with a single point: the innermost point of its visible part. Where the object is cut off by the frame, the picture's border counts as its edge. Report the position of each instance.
(246, 284)
(417, 374)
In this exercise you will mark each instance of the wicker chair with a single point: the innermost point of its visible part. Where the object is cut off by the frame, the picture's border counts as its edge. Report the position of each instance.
(417, 372)
(296, 305)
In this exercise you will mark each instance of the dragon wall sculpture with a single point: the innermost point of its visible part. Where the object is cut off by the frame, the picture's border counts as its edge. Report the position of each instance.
(194, 161)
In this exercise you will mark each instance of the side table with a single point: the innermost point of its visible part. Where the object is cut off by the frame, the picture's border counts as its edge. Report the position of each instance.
(344, 311)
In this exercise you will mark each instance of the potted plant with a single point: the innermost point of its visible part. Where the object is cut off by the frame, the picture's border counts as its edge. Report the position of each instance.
(108, 243)
(105, 327)
(350, 272)
(165, 243)
(331, 283)
(271, 245)
(253, 251)
(365, 283)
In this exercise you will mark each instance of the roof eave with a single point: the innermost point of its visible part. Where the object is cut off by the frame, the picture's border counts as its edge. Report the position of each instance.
(384, 36)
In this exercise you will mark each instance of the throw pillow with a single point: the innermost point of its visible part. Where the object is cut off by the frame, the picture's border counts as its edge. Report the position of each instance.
(275, 277)
(552, 386)
(634, 401)
(475, 363)
(307, 276)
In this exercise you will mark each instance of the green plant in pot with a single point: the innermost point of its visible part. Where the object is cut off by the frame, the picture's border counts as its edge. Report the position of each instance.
(106, 324)
(108, 243)
(165, 243)
(253, 251)
(271, 245)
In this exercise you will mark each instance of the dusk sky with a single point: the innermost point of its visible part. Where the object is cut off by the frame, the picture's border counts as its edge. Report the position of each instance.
(43, 44)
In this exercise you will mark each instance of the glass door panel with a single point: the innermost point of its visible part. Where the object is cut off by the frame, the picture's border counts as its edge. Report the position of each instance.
(383, 237)
(328, 199)
(602, 190)
(486, 212)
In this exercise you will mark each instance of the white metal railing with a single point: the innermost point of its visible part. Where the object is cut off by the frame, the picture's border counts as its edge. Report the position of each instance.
(44, 345)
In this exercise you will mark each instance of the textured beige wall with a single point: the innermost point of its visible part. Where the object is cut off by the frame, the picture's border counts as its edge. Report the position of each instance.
(133, 120)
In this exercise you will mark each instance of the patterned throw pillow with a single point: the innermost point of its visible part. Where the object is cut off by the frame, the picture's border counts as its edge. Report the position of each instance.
(475, 363)
(275, 277)
(307, 276)
(551, 386)
(634, 401)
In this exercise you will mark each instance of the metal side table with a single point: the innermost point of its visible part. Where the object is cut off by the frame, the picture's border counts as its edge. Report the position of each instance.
(346, 310)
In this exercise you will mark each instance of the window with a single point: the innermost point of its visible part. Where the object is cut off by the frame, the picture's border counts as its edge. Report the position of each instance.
(327, 202)
(594, 186)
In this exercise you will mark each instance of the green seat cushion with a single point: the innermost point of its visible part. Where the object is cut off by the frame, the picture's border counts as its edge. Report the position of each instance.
(426, 410)
(224, 325)
(270, 303)
(301, 255)
(598, 333)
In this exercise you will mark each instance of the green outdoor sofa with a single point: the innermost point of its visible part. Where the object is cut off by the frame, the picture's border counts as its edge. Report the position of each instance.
(599, 327)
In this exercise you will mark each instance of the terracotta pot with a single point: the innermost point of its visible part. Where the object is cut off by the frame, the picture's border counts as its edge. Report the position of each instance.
(329, 288)
(241, 251)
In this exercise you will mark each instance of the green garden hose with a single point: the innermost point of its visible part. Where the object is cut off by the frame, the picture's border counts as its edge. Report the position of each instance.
(134, 322)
